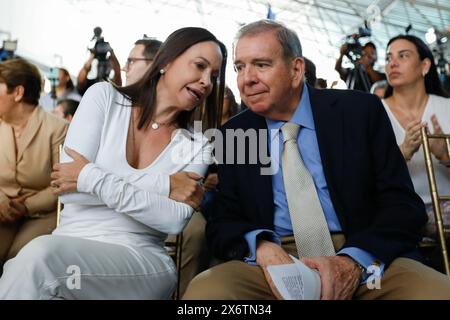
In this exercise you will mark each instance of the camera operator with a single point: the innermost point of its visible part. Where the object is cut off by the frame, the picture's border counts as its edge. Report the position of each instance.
(106, 60)
(367, 61)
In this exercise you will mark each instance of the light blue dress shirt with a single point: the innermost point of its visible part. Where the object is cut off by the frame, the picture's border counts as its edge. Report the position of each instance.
(309, 149)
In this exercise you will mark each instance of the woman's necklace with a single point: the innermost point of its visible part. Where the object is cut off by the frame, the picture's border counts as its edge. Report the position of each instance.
(155, 125)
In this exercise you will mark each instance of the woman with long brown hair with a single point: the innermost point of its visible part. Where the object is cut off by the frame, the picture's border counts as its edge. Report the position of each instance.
(129, 178)
(61, 89)
(415, 98)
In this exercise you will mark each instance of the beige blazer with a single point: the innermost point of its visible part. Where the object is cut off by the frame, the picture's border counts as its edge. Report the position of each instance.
(28, 173)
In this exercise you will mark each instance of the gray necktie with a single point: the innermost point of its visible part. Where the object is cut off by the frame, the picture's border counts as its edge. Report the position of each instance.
(310, 228)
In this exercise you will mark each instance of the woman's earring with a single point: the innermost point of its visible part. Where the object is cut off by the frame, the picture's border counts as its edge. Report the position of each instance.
(162, 71)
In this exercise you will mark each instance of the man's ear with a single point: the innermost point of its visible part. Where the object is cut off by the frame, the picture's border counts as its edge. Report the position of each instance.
(298, 71)
(18, 92)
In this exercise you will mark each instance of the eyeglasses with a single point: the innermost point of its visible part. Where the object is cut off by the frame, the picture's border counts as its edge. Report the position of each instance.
(130, 61)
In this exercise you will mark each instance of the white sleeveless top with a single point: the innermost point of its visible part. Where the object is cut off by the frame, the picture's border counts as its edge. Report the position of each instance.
(441, 108)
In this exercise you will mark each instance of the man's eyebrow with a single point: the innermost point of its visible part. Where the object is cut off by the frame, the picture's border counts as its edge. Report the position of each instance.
(255, 60)
(263, 59)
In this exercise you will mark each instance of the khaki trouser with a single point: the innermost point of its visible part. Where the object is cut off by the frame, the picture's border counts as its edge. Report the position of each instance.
(195, 257)
(13, 236)
(237, 280)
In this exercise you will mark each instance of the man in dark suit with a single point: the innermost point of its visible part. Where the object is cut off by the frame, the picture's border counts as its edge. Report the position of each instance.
(361, 185)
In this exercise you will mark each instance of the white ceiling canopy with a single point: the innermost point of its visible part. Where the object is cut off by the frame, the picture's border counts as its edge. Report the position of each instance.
(47, 28)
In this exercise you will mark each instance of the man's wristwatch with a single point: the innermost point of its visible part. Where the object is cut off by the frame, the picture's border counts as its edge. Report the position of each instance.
(363, 275)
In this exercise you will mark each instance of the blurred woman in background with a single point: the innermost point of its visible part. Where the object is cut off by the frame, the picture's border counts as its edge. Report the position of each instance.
(29, 140)
(62, 89)
(415, 98)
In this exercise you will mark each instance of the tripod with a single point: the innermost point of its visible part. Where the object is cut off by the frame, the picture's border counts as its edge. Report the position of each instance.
(358, 78)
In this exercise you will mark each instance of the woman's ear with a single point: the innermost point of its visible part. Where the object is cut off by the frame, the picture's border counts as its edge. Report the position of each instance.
(426, 65)
(18, 92)
(165, 68)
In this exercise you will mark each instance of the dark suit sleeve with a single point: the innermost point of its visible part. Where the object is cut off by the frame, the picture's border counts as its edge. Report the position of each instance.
(399, 211)
(227, 225)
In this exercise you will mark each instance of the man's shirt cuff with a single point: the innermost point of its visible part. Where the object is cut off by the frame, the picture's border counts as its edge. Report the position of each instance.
(252, 237)
(370, 263)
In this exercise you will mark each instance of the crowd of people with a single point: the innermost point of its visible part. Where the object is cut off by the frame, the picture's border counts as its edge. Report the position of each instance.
(347, 190)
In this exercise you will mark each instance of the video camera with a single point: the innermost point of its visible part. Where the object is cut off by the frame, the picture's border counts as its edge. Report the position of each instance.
(53, 77)
(8, 50)
(354, 47)
(357, 78)
(102, 52)
(439, 44)
(101, 47)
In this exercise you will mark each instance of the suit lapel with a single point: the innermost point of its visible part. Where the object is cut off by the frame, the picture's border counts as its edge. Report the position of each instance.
(329, 123)
(8, 148)
(34, 123)
(263, 183)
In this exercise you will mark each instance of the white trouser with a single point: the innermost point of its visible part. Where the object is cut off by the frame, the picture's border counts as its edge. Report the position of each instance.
(61, 267)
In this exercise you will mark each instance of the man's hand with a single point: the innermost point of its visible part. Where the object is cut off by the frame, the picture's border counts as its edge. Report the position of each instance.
(87, 65)
(343, 49)
(267, 254)
(65, 175)
(339, 276)
(185, 187)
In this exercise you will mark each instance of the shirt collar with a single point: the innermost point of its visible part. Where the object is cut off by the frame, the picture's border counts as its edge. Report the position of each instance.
(302, 116)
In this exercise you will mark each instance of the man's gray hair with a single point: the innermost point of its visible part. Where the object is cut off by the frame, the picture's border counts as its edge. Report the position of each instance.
(288, 38)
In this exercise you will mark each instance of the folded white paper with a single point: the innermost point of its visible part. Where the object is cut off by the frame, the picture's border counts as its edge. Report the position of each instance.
(296, 281)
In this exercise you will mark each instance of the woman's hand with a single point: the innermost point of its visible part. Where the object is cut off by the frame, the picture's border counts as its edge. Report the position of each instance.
(65, 175)
(4, 205)
(185, 187)
(211, 182)
(412, 139)
(438, 146)
(13, 210)
(5, 208)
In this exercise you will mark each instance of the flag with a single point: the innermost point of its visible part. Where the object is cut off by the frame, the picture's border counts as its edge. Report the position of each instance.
(270, 14)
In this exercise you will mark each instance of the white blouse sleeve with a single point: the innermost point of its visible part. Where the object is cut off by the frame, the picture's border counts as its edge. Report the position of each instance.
(153, 210)
(158, 212)
(84, 136)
